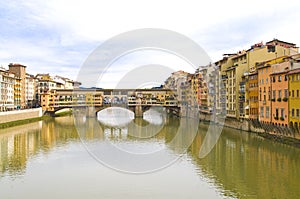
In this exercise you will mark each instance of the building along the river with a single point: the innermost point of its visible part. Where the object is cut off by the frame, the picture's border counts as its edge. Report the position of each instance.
(253, 95)
(20, 72)
(235, 66)
(280, 92)
(264, 91)
(7, 81)
(294, 98)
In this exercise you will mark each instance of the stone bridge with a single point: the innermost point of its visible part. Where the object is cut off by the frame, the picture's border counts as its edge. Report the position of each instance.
(94, 100)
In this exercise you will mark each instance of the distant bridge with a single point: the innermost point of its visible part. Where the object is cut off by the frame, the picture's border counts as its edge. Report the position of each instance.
(95, 100)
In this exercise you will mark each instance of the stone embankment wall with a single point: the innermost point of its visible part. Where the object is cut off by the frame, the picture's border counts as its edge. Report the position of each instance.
(258, 127)
(11, 116)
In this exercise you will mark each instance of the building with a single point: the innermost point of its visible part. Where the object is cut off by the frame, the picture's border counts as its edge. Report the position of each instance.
(235, 66)
(7, 81)
(17, 92)
(294, 98)
(244, 97)
(174, 83)
(280, 93)
(204, 101)
(30, 94)
(65, 82)
(45, 84)
(20, 72)
(265, 69)
(253, 95)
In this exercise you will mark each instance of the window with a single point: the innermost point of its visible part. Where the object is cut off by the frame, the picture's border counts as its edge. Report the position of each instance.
(293, 94)
(261, 111)
(293, 77)
(297, 114)
(297, 77)
(271, 49)
(282, 112)
(286, 93)
(293, 112)
(274, 94)
(267, 112)
(267, 80)
(260, 94)
(266, 70)
(297, 93)
(279, 78)
(279, 93)
(277, 112)
(285, 78)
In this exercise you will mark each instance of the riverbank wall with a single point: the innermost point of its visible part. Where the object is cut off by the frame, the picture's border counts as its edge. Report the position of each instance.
(279, 133)
(11, 116)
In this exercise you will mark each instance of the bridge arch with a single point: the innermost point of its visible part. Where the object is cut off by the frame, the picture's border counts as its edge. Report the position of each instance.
(107, 116)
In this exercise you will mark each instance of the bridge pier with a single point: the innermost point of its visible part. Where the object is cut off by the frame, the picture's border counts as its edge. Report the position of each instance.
(91, 112)
(138, 112)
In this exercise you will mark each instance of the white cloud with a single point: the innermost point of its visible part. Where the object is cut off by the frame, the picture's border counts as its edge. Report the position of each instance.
(58, 35)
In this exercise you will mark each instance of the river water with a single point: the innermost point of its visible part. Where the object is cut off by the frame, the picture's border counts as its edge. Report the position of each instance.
(58, 158)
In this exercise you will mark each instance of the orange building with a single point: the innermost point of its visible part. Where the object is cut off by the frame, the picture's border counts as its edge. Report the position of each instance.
(280, 93)
(264, 92)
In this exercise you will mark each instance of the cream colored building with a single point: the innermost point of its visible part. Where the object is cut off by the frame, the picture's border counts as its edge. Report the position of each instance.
(30, 94)
(7, 81)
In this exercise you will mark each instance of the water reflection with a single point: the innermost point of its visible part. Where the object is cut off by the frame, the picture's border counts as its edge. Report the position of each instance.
(248, 166)
(115, 116)
(241, 165)
(18, 144)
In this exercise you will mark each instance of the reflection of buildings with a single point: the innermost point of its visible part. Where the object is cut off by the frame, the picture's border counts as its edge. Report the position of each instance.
(17, 148)
(241, 164)
(244, 166)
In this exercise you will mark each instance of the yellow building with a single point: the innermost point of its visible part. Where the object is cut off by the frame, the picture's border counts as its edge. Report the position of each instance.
(294, 98)
(20, 71)
(253, 95)
(17, 93)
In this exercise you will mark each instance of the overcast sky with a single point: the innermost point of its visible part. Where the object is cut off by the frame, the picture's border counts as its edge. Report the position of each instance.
(56, 36)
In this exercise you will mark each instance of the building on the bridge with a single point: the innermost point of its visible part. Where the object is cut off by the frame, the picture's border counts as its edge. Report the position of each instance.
(46, 83)
(65, 82)
(56, 99)
(20, 72)
(7, 81)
